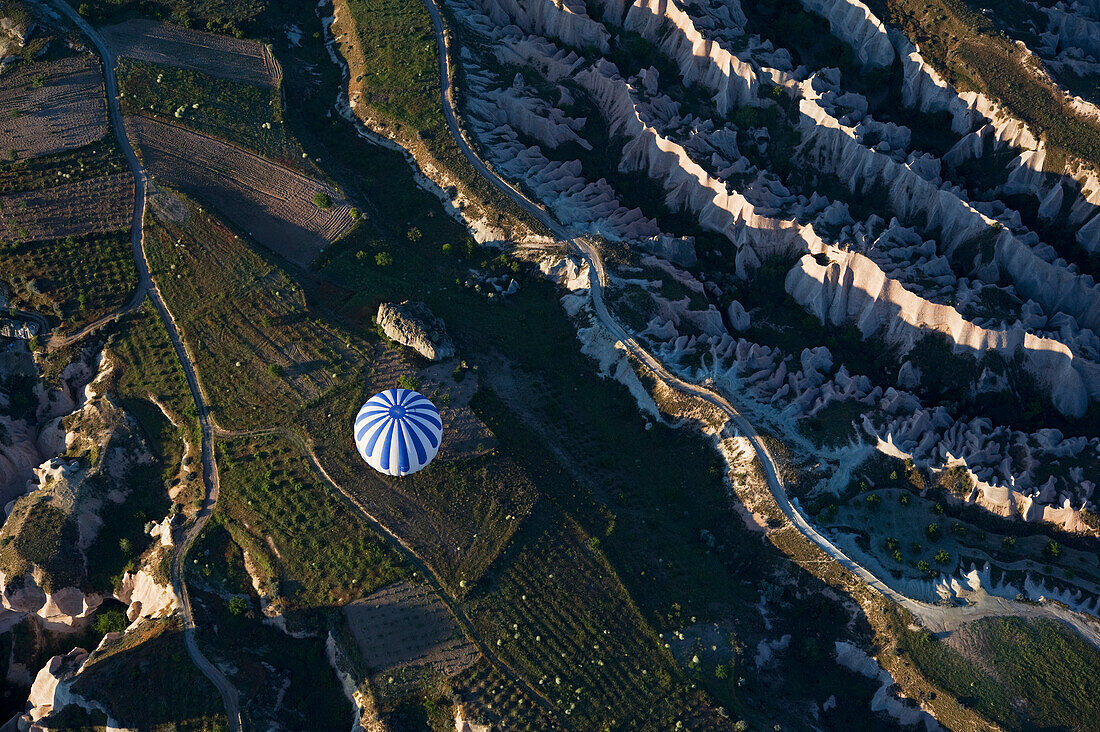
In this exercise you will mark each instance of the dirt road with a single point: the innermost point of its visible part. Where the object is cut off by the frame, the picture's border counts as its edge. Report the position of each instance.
(209, 466)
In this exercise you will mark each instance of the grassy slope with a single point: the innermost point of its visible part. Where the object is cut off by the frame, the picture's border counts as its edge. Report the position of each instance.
(127, 676)
(1023, 674)
(964, 46)
(234, 111)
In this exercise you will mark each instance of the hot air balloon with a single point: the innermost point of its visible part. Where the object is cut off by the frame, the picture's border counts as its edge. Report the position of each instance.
(398, 431)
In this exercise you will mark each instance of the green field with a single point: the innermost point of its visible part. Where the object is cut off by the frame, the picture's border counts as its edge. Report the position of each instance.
(326, 553)
(74, 280)
(1022, 674)
(248, 115)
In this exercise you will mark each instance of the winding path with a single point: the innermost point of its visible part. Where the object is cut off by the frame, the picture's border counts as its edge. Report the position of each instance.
(146, 284)
(933, 616)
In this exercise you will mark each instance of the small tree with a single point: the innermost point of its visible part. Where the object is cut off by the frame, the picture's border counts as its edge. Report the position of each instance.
(408, 382)
(1052, 550)
(1008, 543)
(414, 234)
(238, 606)
(112, 620)
(942, 556)
(266, 321)
(354, 213)
(322, 199)
(932, 531)
(448, 248)
(383, 259)
(274, 370)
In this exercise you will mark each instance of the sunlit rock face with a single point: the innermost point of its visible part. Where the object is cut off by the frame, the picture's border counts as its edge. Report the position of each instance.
(692, 135)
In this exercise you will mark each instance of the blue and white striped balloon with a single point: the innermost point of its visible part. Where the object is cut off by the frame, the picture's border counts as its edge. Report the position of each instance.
(398, 431)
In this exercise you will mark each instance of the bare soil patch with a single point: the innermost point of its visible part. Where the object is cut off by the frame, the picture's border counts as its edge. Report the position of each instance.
(217, 55)
(273, 204)
(408, 625)
(92, 206)
(51, 106)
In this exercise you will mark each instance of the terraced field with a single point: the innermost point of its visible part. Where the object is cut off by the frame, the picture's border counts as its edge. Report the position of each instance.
(92, 206)
(217, 55)
(270, 203)
(52, 106)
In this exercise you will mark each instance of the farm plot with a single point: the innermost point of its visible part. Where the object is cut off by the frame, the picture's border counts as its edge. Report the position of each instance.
(275, 205)
(558, 614)
(217, 55)
(52, 106)
(75, 279)
(406, 625)
(243, 114)
(92, 206)
(316, 549)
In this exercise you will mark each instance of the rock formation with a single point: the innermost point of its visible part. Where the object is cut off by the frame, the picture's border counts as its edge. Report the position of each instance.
(414, 325)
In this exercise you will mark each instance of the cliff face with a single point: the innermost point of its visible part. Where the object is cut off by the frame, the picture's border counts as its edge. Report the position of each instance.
(853, 22)
(852, 287)
(700, 60)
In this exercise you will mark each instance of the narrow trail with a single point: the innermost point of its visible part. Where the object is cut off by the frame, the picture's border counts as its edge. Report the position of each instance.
(228, 692)
(931, 615)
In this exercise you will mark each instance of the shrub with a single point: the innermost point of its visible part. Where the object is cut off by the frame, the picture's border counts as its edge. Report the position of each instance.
(110, 621)
(1052, 550)
(383, 259)
(1009, 542)
(238, 606)
(414, 234)
(932, 531)
(448, 248)
(354, 213)
(942, 556)
(322, 199)
(408, 382)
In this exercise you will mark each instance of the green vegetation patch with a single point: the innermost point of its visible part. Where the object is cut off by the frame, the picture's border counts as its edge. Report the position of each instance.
(249, 115)
(77, 279)
(324, 552)
(91, 161)
(1020, 673)
(147, 681)
(36, 535)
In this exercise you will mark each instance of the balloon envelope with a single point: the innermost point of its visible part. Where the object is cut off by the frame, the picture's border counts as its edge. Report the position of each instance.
(398, 431)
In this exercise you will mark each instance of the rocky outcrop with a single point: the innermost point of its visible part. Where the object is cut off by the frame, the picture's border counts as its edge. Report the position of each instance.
(66, 503)
(885, 699)
(412, 324)
(690, 187)
(145, 597)
(854, 23)
(701, 60)
(50, 691)
(850, 286)
(564, 20)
